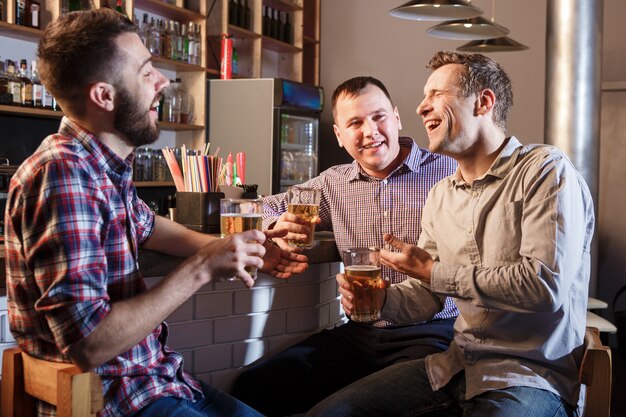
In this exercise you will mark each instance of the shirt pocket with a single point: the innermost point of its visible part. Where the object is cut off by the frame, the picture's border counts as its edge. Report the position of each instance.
(503, 233)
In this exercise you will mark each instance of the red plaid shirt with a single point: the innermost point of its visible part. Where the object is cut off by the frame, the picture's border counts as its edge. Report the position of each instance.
(73, 226)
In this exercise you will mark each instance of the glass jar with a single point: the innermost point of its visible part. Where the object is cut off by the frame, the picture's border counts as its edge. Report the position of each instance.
(144, 165)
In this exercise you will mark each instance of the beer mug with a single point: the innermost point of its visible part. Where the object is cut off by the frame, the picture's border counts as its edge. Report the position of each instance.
(362, 271)
(238, 215)
(304, 203)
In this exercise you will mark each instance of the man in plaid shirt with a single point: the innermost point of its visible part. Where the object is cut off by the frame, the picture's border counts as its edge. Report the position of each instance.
(74, 224)
(381, 191)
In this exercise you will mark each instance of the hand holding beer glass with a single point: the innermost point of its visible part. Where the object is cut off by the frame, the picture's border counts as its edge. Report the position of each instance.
(362, 271)
(238, 215)
(304, 203)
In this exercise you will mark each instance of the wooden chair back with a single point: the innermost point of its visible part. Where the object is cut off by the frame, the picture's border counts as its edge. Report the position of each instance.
(595, 373)
(24, 379)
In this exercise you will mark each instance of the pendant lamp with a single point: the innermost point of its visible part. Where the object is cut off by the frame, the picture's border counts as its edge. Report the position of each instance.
(503, 44)
(476, 28)
(434, 10)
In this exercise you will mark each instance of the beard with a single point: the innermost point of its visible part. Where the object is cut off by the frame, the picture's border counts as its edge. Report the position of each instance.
(132, 122)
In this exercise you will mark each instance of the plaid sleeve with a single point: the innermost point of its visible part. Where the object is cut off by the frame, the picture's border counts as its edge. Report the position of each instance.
(142, 217)
(63, 216)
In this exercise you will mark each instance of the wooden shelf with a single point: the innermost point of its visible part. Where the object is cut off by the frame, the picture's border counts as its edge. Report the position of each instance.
(147, 184)
(24, 33)
(169, 11)
(279, 46)
(172, 65)
(282, 5)
(241, 33)
(30, 111)
(178, 127)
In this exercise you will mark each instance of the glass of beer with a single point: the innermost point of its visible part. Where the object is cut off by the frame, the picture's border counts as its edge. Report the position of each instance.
(362, 271)
(304, 203)
(238, 215)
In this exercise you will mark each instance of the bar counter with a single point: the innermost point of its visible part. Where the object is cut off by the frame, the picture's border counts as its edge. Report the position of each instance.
(225, 326)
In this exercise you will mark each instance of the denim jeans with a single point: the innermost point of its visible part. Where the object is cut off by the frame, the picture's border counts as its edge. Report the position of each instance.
(214, 404)
(403, 390)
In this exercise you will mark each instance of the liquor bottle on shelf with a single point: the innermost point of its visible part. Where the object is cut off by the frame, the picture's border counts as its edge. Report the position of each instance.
(155, 38)
(119, 7)
(26, 97)
(169, 41)
(37, 86)
(144, 30)
(273, 25)
(20, 12)
(232, 12)
(280, 27)
(6, 96)
(191, 44)
(235, 64)
(34, 14)
(186, 104)
(177, 37)
(241, 14)
(266, 22)
(247, 16)
(14, 83)
(287, 30)
(1, 10)
(198, 44)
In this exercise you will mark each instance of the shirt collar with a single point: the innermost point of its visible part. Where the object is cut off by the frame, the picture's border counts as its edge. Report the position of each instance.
(411, 162)
(504, 162)
(102, 153)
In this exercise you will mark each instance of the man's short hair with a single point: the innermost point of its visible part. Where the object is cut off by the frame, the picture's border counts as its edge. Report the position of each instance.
(353, 87)
(77, 50)
(480, 72)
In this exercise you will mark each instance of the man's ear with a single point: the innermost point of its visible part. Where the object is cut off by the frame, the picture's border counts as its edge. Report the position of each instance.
(396, 113)
(485, 102)
(338, 135)
(102, 95)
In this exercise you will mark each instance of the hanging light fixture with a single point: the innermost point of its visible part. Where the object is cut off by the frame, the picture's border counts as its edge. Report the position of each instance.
(468, 29)
(503, 44)
(436, 10)
(476, 28)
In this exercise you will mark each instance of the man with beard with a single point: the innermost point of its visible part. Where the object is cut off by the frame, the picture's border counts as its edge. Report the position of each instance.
(74, 224)
(508, 236)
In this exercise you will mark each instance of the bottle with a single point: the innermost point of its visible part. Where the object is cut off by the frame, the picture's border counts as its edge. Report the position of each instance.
(186, 104)
(274, 26)
(144, 31)
(6, 96)
(169, 41)
(20, 12)
(241, 14)
(14, 83)
(74, 5)
(37, 86)
(198, 45)
(26, 97)
(235, 64)
(119, 7)
(232, 12)
(171, 103)
(280, 28)
(266, 22)
(34, 14)
(154, 38)
(287, 30)
(247, 16)
(191, 44)
(1, 10)
(179, 41)
(184, 39)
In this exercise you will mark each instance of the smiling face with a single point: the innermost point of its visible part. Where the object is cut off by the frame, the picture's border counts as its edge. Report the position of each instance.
(367, 126)
(138, 93)
(449, 118)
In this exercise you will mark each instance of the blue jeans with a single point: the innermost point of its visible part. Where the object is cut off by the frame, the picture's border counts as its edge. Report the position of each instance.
(299, 377)
(404, 390)
(214, 404)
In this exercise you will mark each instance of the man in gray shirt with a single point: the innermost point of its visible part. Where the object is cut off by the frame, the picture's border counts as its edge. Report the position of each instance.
(508, 236)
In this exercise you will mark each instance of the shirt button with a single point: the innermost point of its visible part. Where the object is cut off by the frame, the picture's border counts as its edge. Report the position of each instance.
(385, 213)
(475, 193)
(384, 182)
(469, 230)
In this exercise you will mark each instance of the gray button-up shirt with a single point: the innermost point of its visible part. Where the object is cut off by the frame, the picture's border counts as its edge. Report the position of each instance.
(513, 248)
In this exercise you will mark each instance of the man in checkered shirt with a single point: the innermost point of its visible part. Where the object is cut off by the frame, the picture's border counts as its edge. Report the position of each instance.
(74, 224)
(382, 191)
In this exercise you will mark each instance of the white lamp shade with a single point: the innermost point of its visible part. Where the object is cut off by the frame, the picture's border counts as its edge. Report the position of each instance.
(436, 10)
